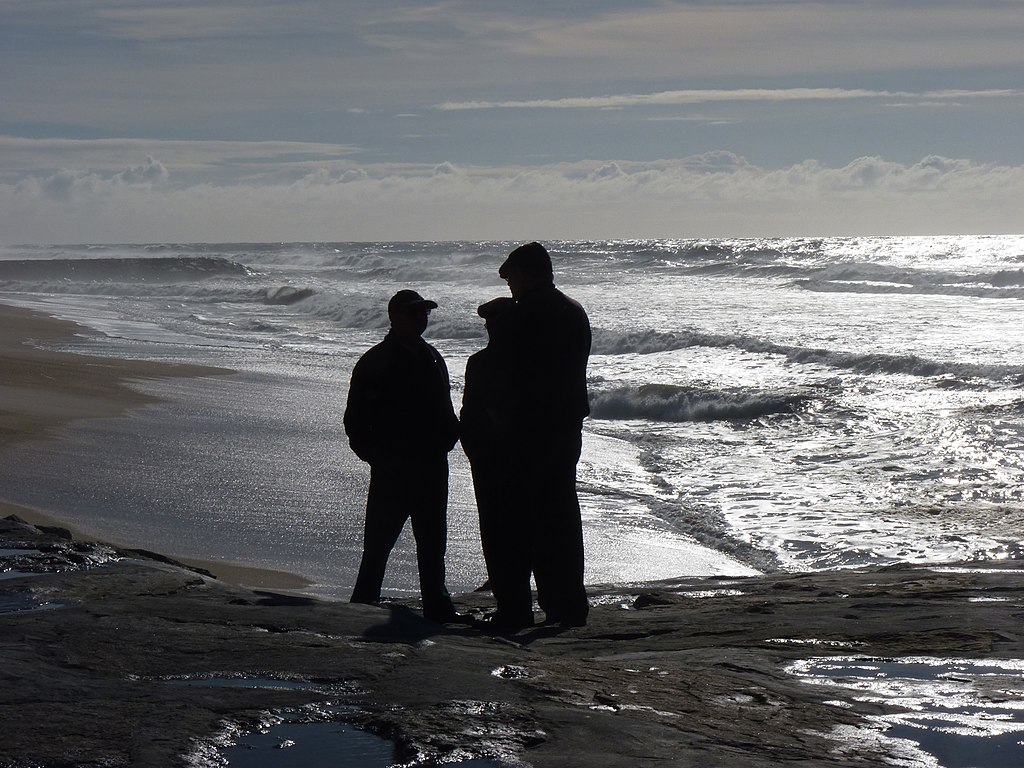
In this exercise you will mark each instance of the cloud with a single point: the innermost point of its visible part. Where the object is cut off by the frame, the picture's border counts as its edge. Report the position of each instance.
(713, 194)
(696, 39)
(150, 172)
(211, 159)
(90, 187)
(688, 97)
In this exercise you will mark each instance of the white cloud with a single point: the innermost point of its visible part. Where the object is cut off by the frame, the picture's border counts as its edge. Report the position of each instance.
(26, 155)
(717, 194)
(688, 97)
(697, 39)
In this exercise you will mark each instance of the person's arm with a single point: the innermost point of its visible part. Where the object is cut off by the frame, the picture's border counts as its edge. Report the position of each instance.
(360, 410)
(450, 422)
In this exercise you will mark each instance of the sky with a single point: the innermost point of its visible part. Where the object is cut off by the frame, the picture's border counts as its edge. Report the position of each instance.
(127, 121)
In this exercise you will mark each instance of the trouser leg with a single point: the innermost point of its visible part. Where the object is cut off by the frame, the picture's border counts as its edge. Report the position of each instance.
(430, 529)
(505, 542)
(558, 536)
(385, 517)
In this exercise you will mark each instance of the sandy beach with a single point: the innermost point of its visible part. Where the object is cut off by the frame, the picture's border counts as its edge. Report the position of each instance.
(43, 390)
(120, 657)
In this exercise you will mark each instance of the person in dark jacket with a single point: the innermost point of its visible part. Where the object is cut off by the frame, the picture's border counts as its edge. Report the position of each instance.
(400, 420)
(488, 419)
(553, 339)
(544, 365)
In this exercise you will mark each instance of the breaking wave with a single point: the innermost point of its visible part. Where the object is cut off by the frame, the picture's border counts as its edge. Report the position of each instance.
(274, 295)
(286, 294)
(667, 402)
(650, 342)
(177, 268)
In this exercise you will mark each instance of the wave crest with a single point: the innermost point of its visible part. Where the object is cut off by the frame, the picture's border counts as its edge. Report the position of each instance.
(175, 268)
(671, 403)
(651, 342)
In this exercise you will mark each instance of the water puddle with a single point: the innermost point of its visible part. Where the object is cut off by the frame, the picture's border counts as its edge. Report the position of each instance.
(61, 557)
(953, 713)
(12, 569)
(19, 552)
(22, 602)
(294, 742)
(314, 737)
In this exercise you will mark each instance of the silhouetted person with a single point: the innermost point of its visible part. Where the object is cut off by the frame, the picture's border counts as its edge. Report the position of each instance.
(550, 345)
(399, 419)
(488, 429)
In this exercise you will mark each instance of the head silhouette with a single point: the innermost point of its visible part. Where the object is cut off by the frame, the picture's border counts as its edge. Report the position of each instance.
(408, 313)
(496, 315)
(526, 268)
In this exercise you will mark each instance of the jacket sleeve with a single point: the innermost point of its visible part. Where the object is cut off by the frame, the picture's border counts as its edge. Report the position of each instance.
(362, 404)
(449, 425)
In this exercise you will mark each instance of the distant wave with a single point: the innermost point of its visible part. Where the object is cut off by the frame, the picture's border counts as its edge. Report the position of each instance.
(358, 311)
(1007, 277)
(811, 267)
(667, 402)
(1004, 290)
(191, 291)
(177, 268)
(286, 294)
(884, 279)
(649, 342)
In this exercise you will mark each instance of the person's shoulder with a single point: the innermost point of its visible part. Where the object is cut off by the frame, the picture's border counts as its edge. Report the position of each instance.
(433, 350)
(377, 350)
(570, 304)
(479, 358)
(380, 354)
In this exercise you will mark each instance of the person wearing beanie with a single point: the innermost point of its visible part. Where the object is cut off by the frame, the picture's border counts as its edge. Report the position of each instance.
(546, 360)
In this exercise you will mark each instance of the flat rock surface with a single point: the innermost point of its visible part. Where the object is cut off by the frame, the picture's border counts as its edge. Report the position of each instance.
(680, 673)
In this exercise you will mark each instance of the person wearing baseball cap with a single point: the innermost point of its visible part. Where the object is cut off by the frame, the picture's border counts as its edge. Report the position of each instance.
(399, 419)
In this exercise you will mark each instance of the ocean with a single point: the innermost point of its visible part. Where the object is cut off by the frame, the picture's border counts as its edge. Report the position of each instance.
(793, 404)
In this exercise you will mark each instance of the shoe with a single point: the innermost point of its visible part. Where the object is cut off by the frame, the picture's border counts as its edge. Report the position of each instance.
(498, 623)
(565, 622)
(448, 617)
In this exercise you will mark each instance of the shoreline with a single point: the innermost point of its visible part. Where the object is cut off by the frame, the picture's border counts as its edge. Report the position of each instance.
(42, 391)
(616, 551)
(233, 573)
(45, 390)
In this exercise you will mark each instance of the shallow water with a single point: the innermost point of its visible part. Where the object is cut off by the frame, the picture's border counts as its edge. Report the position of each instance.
(310, 745)
(253, 468)
(23, 602)
(316, 737)
(953, 713)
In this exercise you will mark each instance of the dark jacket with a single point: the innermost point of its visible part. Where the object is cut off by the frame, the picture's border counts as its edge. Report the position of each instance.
(489, 407)
(486, 420)
(399, 403)
(553, 339)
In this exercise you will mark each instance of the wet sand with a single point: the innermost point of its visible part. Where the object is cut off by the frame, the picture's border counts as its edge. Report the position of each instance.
(42, 391)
